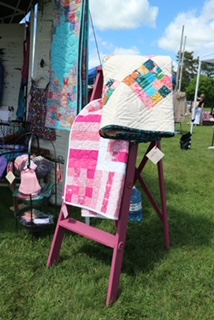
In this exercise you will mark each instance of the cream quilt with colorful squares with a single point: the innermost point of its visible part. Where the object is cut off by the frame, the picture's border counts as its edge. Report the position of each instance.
(137, 97)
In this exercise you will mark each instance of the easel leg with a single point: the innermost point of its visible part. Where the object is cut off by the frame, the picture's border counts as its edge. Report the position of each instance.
(122, 226)
(58, 238)
(162, 212)
(163, 201)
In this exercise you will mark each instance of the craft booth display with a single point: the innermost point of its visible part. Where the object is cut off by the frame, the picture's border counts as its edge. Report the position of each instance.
(45, 82)
(132, 102)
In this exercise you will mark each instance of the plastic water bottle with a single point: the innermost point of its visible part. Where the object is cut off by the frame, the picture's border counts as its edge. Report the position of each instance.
(135, 209)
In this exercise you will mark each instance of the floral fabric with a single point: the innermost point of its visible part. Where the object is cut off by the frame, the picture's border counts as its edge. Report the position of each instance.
(37, 113)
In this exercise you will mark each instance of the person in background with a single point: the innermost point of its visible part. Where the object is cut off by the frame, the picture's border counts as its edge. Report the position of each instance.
(199, 110)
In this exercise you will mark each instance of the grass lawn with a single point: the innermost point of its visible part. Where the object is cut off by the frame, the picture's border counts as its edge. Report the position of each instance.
(156, 284)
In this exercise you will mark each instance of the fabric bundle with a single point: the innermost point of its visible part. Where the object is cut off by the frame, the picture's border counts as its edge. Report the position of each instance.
(43, 165)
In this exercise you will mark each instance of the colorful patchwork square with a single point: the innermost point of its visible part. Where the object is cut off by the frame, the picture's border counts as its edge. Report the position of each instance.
(108, 89)
(149, 83)
(136, 87)
(149, 64)
(157, 84)
(129, 80)
(109, 83)
(157, 98)
(143, 82)
(143, 70)
(151, 77)
(151, 91)
(158, 70)
(164, 91)
(135, 74)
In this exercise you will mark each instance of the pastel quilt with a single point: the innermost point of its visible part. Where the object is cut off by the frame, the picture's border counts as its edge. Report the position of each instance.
(137, 98)
(96, 167)
(67, 92)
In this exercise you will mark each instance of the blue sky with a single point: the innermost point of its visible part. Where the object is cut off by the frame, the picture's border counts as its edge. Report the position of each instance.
(149, 27)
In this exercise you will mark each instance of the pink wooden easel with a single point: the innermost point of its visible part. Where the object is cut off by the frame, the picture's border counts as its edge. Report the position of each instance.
(115, 241)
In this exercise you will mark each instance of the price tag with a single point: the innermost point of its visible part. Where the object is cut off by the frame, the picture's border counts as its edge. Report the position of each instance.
(155, 155)
(10, 177)
(65, 212)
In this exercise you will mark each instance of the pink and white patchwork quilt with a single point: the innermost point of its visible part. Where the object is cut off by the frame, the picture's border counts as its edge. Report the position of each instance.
(96, 167)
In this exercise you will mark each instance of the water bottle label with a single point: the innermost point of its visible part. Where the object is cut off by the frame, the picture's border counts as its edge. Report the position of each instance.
(135, 207)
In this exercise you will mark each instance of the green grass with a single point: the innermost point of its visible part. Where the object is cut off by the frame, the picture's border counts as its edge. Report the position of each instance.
(156, 284)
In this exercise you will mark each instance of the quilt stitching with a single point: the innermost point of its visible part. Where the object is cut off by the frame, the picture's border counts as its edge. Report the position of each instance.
(96, 170)
(148, 82)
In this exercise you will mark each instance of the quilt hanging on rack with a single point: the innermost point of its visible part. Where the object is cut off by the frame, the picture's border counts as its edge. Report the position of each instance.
(67, 93)
(96, 167)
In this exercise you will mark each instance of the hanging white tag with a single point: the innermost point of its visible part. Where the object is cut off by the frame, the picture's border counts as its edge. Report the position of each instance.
(155, 155)
(10, 177)
(65, 212)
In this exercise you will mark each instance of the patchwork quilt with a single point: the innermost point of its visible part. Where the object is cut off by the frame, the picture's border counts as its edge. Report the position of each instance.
(137, 98)
(96, 167)
(67, 92)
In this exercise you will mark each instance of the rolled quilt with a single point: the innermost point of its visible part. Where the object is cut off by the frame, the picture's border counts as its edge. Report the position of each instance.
(137, 98)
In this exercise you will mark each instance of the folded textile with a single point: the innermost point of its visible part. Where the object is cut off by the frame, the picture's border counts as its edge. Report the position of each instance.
(10, 151)
(43, 165)
(96, 166)
(137, 98)
(38, 197)
(36, 217)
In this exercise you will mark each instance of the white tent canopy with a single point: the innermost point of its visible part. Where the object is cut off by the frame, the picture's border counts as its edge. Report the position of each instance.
(207, 53)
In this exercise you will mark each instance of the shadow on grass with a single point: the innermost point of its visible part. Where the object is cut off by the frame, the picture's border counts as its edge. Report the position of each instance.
(145, 245)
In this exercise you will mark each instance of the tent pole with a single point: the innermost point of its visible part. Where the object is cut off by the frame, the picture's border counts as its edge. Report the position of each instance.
(196, 95)
(182, 64)
(179, 59)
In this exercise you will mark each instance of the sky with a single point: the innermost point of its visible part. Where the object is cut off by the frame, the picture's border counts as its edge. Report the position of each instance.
(152, 27)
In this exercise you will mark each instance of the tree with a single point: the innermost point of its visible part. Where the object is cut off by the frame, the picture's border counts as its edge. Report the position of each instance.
(206, 86)
(207, 69)
(189, 69)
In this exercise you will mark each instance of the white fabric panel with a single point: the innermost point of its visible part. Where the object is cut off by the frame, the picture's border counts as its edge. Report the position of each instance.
(207, 53)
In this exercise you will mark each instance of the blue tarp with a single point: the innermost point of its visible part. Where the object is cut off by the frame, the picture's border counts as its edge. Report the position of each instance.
(92, 74)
